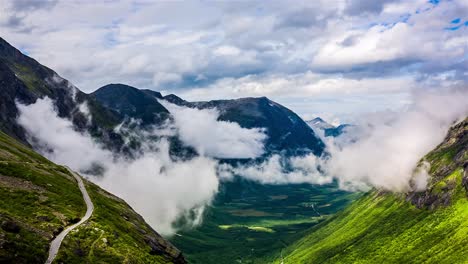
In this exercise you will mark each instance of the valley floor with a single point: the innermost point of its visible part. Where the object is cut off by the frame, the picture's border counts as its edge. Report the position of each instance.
(252, 223)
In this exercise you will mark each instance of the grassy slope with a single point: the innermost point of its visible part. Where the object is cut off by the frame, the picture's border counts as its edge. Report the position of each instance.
(249, 222)
(387, 228)
(38, 199)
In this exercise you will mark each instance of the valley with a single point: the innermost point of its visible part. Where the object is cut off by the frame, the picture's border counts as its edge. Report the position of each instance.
(233, 132)
(253, 223)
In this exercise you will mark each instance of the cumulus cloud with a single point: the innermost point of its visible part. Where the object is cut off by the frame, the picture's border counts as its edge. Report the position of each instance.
(202, 130)
(160, 189)
(135, 41)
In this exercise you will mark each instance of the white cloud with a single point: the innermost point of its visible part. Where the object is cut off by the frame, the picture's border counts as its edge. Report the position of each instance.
(307, 85)
(210, 137)
(383, 153)
(280, 170)
(161, 78)
(160, 189)
(391, 144)
(393, 41)
(227, 51)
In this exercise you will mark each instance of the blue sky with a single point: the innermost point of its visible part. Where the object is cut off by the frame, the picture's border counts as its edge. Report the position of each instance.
(337, 59)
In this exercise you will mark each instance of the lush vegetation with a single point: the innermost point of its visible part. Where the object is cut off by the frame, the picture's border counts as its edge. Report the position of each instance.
(114, 234)
(395, 228)
(252, 223)
(38, 199)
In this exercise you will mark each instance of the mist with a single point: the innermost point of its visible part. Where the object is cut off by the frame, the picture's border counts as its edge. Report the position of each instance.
(201, 129)
(389, 145)
(160, 189)
(381, 150)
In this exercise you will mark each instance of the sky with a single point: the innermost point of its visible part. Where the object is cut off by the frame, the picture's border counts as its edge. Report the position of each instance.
(336, 59)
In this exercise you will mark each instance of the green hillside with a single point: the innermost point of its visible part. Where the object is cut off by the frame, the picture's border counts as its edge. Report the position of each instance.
(39, 198)
(425, 227)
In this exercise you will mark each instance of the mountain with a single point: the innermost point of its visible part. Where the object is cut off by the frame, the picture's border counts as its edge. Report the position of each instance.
(319, 123)
(336, 131)
(131, 102)
(417, 227)
(286, 130)
(328, 129)
(38, 199)
(24, 80)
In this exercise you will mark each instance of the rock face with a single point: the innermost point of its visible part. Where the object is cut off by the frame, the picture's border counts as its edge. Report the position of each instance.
(449, 163)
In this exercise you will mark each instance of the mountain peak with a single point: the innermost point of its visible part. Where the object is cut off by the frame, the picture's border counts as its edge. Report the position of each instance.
(319, 123)
(132, 102)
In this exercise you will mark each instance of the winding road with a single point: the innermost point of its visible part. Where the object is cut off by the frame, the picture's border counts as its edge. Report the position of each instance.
(55, 245)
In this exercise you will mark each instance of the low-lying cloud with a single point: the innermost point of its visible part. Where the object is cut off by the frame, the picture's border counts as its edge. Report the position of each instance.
(390, 144)
(382, 150)
(202, 130)
(160, 189)
(278, 169)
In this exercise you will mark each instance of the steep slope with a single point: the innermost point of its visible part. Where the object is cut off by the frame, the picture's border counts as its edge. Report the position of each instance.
(24, 80)
(39, 198)
(425, 227)
(134, 103)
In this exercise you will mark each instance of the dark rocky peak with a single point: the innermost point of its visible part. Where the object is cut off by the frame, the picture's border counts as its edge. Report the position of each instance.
(131, 102)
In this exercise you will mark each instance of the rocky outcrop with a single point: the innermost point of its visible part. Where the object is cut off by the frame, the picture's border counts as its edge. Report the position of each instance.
(449, 158)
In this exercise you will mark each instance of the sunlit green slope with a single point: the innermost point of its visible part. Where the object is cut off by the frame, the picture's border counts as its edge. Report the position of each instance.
(38, 199)
(426, 227)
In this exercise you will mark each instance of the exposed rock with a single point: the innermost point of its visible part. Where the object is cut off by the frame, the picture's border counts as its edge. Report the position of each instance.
(448, 157)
